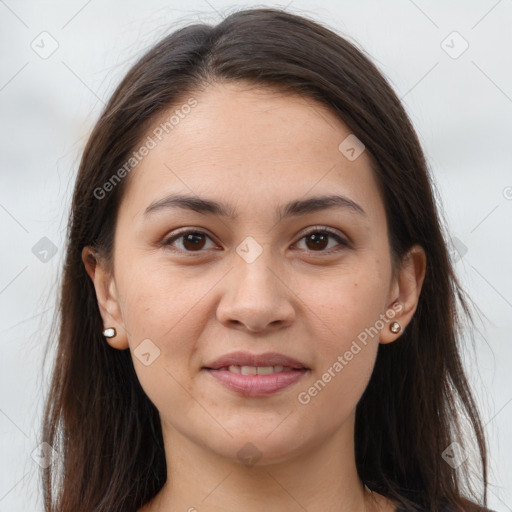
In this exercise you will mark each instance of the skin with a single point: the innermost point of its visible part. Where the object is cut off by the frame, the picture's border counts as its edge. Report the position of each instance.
(255, 150)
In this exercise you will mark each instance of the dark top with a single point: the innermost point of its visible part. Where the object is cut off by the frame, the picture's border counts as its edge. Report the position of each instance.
(470, 507)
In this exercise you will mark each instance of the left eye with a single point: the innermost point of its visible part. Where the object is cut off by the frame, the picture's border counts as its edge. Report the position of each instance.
(316, 241)
(319, 239)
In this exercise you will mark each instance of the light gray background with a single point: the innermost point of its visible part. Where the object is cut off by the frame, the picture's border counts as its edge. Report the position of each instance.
(461, 108)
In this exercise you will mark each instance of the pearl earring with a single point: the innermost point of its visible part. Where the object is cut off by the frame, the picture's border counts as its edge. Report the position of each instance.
(110, 332)
(395, 327)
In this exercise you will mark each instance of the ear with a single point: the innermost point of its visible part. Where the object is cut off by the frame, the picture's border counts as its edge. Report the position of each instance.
(107, 297)
(405, 292)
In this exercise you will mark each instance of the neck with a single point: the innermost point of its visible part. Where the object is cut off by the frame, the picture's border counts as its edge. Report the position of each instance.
(321, 478)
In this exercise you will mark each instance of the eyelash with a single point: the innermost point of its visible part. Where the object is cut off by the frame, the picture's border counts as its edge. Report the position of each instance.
(317, 229)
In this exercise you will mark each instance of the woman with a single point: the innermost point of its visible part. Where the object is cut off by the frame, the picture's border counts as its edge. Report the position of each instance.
(258, 308)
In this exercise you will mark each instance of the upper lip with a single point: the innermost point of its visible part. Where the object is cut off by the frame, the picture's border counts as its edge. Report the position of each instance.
(248, 359)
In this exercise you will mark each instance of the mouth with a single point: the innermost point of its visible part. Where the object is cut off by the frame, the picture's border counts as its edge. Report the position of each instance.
(256, 375)
(256, 370)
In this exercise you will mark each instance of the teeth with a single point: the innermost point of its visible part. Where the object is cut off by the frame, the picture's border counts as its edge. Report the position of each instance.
(265, 370)
(257, 370)
(248, 370)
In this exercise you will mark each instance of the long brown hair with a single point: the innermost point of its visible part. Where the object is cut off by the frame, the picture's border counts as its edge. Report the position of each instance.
(97, 416)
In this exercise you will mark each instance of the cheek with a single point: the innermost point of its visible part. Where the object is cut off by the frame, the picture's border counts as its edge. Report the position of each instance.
(344, 306)
(162, 307)
(345, 342)
(157, 297)
(159, 305)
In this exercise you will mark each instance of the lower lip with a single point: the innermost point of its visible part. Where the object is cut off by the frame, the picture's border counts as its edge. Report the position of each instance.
(257, 385)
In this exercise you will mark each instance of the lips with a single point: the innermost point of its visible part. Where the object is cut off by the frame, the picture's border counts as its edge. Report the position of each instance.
(268, 359)
(255, 375)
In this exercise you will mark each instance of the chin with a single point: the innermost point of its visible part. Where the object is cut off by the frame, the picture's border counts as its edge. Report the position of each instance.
(259, 449)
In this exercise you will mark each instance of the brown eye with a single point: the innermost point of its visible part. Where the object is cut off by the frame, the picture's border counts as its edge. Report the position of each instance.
(318, 240)
(191, 241)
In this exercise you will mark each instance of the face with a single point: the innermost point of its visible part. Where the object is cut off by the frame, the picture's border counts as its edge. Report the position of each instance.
(269, 272)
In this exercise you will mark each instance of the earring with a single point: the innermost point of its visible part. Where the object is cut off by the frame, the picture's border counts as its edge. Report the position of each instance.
(110, 332)
(395, 327)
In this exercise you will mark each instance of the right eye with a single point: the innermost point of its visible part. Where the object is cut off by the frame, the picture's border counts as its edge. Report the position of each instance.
(192, 240)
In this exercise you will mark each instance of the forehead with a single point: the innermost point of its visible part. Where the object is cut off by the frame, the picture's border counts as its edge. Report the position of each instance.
(249, 146)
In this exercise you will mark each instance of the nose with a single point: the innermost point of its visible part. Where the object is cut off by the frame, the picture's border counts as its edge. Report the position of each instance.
(256, 297)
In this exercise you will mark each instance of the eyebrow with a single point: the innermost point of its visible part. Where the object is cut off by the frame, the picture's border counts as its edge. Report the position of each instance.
(293, 208)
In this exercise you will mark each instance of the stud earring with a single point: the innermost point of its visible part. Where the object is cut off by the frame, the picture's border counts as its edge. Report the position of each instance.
(395, 327)
(110, 332)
